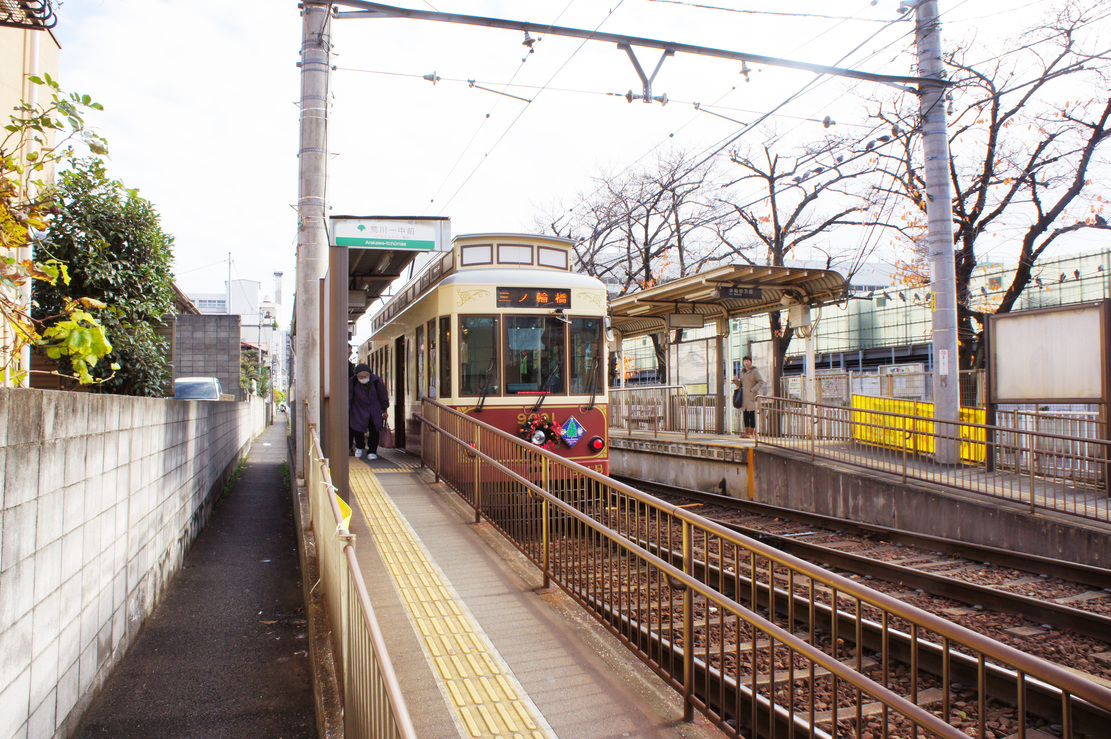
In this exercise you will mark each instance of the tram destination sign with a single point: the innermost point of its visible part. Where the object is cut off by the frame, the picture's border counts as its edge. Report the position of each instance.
(533, 297)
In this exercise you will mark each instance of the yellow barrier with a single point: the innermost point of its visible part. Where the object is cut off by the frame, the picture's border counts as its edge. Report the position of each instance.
(908, 424)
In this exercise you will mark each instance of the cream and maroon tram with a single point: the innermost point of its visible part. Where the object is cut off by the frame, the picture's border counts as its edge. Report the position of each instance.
(500, 328)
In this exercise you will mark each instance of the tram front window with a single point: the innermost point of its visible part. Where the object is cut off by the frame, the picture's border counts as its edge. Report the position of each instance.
(478, 354)
(586, 348)
(533, 355)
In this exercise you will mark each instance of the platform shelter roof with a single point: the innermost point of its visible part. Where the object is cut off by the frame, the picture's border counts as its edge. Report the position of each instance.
(725, 292)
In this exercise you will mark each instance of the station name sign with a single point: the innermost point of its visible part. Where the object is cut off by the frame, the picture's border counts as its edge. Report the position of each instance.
(533, 297)
(388, 233)
(733, 292)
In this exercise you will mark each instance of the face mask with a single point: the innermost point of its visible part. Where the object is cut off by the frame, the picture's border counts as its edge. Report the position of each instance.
(364, 380)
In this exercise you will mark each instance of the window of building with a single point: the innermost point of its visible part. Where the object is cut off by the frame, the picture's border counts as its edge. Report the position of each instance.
(478, 355)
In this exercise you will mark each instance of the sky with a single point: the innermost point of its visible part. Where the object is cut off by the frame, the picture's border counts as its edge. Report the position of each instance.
(200, 105)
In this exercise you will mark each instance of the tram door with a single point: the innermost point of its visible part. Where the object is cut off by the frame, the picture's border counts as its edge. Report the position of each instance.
(400, 360)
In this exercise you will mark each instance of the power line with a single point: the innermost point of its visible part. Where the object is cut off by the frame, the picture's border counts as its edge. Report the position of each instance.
(513, 123)
(767, 12)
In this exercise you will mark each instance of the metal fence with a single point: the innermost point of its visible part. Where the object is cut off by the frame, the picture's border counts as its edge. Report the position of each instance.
(760, 642)
(837, 388)
(1019, 462)
(373, 706)
(655, 407)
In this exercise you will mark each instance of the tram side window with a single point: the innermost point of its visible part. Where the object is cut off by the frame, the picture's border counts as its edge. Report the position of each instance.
(534, 347)
(445, 356)
(422, 378)
(433, 367)
(478, 355)
(586, 356)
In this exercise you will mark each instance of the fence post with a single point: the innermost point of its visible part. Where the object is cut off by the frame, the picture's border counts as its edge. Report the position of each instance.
(439, 440)
(810, 430)
(477, 494)
(545, 533)
(688, 625)
(905, 445)
(424, 432)
(1033, 440)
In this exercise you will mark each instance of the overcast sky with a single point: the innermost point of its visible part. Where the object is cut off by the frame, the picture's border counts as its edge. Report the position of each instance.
(200, 105)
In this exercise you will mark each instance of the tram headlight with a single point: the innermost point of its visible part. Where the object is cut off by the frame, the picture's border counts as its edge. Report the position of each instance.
(597, 444)
(538, 437)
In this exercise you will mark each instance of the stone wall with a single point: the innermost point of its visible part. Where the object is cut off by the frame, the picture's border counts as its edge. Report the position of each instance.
(102, 497)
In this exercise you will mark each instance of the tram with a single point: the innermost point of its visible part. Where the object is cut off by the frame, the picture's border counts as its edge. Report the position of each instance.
(501, 329)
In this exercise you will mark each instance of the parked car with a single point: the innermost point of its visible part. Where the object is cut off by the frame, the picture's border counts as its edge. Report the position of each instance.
(198, 388)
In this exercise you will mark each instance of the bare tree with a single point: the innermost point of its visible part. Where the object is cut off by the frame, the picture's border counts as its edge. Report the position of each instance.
(787, 201)
(1025, 134)
(645, 226)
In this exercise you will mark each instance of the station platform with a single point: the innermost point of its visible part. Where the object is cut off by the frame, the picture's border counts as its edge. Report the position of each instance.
(480, 647)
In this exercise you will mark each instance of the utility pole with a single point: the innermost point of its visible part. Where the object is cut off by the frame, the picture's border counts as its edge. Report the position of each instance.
(939, 213)
(312, 235)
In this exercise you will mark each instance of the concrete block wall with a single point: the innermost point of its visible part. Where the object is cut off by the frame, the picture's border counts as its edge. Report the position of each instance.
(208, 346)
(102, 496)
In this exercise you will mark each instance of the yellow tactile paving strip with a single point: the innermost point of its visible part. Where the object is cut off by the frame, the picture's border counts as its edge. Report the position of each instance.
(472, 675)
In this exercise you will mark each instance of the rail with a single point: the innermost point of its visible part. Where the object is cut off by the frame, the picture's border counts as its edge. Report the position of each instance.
(762, 643)
(1017, 463)
(372, 701)
(659, 407)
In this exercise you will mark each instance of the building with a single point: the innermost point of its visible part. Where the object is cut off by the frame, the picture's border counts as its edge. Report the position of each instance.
(27, 47)
(258, 316)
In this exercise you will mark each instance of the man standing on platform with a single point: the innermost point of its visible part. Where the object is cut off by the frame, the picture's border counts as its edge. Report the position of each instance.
(751, 384)
(368, 402)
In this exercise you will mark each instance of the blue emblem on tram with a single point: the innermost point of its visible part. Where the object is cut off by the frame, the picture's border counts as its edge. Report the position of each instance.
(572, 431)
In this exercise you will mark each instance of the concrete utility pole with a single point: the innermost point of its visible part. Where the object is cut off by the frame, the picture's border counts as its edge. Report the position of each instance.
(312, 236)
(939, 213)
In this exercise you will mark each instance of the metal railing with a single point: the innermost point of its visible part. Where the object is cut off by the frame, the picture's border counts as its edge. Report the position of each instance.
(762, 643)
(373, 705)
(658, 407)
(837, 388)
(1038, 468)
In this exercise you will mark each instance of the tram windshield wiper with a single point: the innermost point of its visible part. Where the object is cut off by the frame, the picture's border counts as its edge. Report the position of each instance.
(485, 384)
(545, 391)
(595, 373)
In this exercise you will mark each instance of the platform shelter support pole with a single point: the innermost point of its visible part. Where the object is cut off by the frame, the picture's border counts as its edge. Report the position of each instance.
(335, 364)
(720, 405)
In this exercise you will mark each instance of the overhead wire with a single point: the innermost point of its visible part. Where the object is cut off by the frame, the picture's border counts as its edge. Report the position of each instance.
(486, 118)
(513, 123)
(761, 118)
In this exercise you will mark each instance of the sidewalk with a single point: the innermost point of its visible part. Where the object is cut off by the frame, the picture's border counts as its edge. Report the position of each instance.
(225, 653)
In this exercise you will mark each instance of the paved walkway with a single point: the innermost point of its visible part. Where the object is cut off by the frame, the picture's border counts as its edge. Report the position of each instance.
(480, 647)
(225, 653)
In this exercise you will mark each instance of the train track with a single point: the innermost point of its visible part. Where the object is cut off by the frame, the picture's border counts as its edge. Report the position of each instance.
(924, 568)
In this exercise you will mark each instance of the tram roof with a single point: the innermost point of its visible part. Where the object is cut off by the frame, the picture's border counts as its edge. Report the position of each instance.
(725, 292)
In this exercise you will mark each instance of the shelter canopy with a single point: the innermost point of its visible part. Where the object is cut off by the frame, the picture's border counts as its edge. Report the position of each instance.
(725, 292)
(372, 269)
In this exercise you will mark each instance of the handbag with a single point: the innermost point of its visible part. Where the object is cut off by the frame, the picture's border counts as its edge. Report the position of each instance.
(739, 397)
(385, 435)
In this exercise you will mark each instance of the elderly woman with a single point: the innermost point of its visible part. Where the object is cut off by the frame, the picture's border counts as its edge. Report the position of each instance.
(367, 405)
(752, 384)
